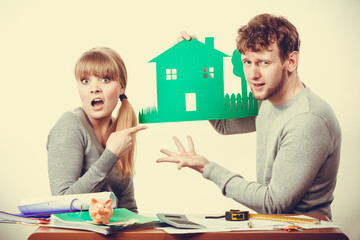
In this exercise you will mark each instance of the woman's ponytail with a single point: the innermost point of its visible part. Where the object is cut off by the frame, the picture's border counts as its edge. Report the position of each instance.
(126, 119)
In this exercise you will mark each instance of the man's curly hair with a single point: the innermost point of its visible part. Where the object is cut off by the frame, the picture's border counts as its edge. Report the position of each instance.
(266, 29)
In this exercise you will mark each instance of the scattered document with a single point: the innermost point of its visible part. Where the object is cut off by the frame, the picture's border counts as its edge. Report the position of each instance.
(222, 225)
(14, 218)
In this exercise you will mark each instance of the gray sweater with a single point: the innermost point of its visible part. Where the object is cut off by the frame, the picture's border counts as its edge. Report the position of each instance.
(78, 163)
(298, 152)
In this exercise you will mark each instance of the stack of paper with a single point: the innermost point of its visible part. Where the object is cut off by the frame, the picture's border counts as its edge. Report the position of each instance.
(71, 211)
(63, 203)
(121, 219)
(15, 218)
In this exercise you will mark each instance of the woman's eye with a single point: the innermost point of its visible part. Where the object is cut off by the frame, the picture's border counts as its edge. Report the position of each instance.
(85, 81)
(105, 79)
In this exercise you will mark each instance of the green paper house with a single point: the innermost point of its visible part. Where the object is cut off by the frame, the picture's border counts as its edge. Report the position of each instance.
(190, 85)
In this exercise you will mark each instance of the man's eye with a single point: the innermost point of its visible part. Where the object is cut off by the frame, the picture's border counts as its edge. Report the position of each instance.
(85, 81)
(265, 63)
(105, 79)
(246, 62)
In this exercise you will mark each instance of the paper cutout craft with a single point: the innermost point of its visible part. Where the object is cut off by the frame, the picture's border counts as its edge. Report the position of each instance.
(190, 85)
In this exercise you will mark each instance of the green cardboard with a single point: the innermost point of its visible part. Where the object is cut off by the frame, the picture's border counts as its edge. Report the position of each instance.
(190, 85)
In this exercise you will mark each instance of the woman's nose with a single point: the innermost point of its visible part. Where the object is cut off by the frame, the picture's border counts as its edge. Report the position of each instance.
(95, 88)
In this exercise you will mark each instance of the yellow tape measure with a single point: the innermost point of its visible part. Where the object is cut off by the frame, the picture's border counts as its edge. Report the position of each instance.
(284, 218)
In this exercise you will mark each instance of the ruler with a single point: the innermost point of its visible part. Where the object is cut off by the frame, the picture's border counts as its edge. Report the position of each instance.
(284, 218)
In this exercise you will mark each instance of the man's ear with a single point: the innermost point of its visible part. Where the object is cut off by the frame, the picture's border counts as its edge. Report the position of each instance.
(293, 61)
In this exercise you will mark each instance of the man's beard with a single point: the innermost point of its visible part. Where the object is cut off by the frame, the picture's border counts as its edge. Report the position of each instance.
(273, 91)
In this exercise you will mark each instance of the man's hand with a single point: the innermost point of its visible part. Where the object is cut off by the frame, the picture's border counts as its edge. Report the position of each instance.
(185, 158)
(186, 36)
(120, 142)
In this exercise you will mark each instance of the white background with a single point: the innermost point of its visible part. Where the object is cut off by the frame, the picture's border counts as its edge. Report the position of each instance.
(40, 42)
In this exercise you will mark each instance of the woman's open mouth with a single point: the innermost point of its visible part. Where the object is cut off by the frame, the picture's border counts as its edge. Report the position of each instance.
(97, 103)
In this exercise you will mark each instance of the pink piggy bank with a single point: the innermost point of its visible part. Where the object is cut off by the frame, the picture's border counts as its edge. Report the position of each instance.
(100, 210)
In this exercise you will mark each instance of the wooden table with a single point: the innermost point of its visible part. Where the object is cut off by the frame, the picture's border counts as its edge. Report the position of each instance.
(44, 233)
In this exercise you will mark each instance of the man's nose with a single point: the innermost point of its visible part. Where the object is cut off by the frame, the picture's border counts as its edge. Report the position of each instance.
(254, 72)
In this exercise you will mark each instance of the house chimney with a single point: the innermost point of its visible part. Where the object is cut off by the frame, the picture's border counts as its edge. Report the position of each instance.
(209, 41)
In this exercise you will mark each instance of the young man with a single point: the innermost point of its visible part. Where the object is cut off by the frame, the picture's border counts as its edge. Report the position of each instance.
(298, 135)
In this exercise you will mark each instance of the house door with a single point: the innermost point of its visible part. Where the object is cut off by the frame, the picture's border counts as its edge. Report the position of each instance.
(190, 101)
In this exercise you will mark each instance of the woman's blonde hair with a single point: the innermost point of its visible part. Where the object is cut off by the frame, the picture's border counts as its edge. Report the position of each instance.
(105, 62)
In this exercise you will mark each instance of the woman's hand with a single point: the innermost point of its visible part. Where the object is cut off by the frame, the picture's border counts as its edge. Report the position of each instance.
(185, 158)
(120, 142)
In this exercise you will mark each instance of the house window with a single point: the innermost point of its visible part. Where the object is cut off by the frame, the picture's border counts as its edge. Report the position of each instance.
(209, 72)
(171, 74)
(190, 101)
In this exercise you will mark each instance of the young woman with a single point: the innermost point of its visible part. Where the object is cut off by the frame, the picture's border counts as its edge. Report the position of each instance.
(88, 150)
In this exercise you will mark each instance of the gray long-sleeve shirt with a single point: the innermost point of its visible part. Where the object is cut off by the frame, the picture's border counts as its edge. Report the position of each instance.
(78, 163)
(298, 152)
